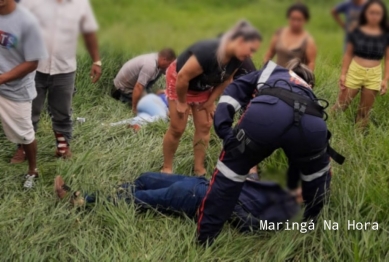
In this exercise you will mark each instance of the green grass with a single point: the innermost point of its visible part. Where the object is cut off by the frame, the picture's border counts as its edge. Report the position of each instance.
(34, 226)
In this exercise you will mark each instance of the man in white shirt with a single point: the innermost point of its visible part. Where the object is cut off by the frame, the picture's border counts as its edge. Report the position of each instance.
(61, 21)
(138, 74)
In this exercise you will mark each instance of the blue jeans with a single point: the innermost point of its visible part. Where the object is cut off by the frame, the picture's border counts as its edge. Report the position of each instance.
(164, 192)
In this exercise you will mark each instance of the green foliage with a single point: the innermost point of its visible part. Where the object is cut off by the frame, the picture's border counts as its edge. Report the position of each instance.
(34, 226)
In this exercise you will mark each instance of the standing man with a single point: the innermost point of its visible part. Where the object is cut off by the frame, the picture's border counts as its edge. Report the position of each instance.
(61, 21)
(21, 47)
(351, 9)
(138, 74)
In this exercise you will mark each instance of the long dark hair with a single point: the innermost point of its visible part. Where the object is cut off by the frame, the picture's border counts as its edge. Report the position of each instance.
(384, 24)
(242, 29)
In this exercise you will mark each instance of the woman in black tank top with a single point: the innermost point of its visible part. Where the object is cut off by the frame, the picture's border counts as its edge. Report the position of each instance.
(197, 78)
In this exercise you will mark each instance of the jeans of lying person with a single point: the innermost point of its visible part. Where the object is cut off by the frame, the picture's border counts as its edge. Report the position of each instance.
(164, 192)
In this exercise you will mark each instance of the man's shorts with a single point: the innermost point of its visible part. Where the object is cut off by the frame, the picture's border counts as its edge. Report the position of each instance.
(359, 76)
(16, 121)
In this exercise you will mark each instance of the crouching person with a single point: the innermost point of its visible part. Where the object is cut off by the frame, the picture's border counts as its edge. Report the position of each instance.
(137, 76)
(285, 114)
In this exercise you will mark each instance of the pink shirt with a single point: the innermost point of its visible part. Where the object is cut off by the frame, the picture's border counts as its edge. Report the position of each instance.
(61, 22)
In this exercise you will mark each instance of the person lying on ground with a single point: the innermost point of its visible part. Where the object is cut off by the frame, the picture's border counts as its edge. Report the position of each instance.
(151, 108)
(136, 76)
(169, 193)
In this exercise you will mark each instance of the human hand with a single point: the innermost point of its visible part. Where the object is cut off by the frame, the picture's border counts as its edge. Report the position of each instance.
(384, 87)
(342, 82)
(209, 107)
(95, 73)
(298, 194)
(182, 108)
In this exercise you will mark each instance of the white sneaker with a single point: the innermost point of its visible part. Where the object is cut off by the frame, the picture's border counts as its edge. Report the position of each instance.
(30, 181)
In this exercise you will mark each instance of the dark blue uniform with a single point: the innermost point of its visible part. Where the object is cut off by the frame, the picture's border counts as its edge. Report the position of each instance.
(268, 122)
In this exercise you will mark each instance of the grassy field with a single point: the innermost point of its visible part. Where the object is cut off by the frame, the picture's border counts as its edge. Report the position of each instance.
(34, 226)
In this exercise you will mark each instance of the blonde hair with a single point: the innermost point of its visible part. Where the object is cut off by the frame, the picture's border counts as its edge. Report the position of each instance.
(302, 71)
(242, 29)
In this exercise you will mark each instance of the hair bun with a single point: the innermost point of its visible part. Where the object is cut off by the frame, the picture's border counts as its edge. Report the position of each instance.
(242, 23)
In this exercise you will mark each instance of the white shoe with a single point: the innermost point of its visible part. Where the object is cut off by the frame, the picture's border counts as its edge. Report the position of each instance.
(30, 181)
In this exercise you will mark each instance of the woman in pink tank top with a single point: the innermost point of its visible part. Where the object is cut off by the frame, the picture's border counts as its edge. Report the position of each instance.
(293, 41)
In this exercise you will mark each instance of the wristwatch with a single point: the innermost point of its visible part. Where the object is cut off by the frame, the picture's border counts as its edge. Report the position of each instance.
(98, 63)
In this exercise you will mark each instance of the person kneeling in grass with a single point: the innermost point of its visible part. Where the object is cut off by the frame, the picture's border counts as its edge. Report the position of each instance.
(177, 193)
(137, 76)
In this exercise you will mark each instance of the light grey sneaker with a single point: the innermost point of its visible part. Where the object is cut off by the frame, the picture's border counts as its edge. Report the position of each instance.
(30, 181)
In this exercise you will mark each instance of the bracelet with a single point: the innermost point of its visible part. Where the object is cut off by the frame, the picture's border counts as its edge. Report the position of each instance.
(98, 63)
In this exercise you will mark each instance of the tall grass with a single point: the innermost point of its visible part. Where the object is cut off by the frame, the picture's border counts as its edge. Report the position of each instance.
(34, 226)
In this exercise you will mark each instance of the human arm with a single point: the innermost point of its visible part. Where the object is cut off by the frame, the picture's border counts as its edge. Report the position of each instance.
(33, 49)
(347, 58)
(136, 96)
(18, 72)
(336, 11)
(311, 54)
(190, 70)
(89, 28)
(271, 52)
(384, 84)
(237, 95)
(209, 105)
(90, 40)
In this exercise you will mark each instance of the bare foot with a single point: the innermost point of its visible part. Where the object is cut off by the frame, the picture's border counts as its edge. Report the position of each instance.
(135, 127)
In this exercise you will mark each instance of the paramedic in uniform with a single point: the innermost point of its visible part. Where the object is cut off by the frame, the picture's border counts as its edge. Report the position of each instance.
(285, 115)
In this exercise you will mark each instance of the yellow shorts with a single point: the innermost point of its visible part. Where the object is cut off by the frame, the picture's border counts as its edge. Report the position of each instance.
(359, 76)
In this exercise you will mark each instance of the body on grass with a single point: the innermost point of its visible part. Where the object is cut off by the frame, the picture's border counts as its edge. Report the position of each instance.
(170, 193)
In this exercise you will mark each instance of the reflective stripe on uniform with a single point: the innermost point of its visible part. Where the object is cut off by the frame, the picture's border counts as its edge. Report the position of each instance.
(228, 173)
(230, 100)
(266, 73)
(311, 177)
